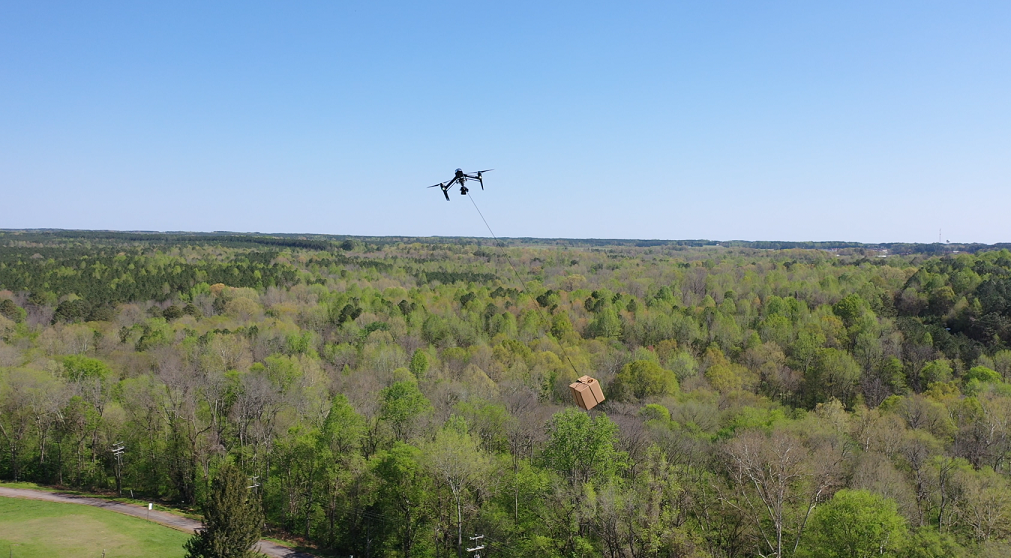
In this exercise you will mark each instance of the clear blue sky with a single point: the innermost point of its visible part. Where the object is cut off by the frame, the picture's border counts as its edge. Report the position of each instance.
(866, 121)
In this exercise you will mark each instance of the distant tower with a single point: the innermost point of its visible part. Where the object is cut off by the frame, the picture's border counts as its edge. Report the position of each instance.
(938, 236)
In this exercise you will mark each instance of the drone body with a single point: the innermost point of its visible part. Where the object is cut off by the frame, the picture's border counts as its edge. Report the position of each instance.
(461, 178)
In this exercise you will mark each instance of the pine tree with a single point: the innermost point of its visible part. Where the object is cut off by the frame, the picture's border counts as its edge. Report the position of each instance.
(232, 519)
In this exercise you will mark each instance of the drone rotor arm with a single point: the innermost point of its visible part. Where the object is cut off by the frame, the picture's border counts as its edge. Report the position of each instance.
(481, 178)
(445, 189)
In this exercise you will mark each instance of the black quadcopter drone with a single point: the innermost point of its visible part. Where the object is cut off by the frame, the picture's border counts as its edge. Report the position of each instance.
(461, 178)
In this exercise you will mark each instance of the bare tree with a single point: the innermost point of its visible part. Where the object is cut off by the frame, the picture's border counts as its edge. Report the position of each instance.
(987, 507)
(178, 373)
(47, 400)
(777, 482)
(454, 457)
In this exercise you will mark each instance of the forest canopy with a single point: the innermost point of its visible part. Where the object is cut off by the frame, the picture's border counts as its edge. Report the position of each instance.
(394, 396)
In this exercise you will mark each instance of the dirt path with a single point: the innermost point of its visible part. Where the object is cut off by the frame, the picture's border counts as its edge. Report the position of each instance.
(271, 549)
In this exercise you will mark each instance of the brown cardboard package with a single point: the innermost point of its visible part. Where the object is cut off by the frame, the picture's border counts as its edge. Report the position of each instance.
(598, 394)
(583, 395)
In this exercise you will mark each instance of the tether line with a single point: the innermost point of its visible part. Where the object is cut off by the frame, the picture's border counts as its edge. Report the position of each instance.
(482, 217)
(518, 278)
(523, 284)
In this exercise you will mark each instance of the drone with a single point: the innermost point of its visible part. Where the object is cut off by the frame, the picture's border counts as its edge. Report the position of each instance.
(461, 178)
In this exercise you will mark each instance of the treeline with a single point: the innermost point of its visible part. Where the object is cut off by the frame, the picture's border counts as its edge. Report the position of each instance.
(98, 238)
(395, 399)
(368, 243)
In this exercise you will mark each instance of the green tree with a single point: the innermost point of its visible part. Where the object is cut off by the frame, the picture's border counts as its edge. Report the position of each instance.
(849, 308)
(71, 311)
(232, 519)
(79, 369)
(855, 524)
(605, 324)
(926, 542)
(834, 374)
(890, 373)
(299, 467)
(401, 404)
(419, 364)
(982, 374)
(580, 448)
(12, 311)
(435, 329)
(643, 378)
(560, 325)
(338, 445)
(935, 371)
(402, 495)
(728, 378)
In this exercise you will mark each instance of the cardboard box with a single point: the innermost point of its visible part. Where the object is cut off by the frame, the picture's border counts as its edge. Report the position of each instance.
(598, 393)
(582, 394)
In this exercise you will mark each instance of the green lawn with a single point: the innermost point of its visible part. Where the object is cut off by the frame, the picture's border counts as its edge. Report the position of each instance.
(192, 514)
(46, 529)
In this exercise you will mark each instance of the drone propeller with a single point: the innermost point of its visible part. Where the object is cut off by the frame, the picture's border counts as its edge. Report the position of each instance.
(445, 188)
(479, 173)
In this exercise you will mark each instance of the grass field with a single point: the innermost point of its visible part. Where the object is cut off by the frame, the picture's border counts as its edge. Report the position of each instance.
(192, 514)
(34, 529)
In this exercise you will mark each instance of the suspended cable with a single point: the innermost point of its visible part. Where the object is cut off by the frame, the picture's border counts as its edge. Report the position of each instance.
(518, 278)
(482, 217)
(504, 251)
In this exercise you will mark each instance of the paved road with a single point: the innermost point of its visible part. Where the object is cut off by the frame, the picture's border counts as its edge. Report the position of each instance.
(271, 549)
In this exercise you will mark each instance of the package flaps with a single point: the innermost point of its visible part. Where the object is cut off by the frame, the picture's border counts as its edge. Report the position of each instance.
(586, 392)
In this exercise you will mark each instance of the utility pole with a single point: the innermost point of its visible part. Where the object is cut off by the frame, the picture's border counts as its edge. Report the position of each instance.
(118, 449)
(254, 483)
(476, 538)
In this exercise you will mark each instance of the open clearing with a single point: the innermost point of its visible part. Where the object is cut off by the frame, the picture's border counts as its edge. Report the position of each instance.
(47, 529)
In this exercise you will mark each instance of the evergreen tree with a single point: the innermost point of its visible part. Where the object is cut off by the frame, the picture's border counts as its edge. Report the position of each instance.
(232, 519)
